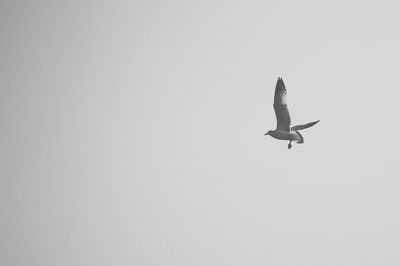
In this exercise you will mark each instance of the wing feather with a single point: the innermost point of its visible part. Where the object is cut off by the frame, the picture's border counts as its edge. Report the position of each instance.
(301, 127)
(280, 107)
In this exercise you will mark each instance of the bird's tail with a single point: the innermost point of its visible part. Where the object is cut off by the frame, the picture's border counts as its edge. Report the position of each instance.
(301, 139)
(301, 127)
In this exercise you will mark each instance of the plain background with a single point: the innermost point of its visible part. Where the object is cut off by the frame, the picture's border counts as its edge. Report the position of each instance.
(132, 133)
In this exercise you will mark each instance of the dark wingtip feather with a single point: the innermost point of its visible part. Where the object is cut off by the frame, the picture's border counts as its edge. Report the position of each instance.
(280, 80)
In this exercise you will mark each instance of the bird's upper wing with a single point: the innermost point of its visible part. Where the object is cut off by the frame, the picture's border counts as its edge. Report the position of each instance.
(280, 107)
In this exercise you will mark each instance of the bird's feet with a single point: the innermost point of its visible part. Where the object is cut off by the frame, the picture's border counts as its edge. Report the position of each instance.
(289, 146)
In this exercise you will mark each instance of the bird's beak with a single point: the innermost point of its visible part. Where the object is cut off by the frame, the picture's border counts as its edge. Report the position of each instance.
(266, 134)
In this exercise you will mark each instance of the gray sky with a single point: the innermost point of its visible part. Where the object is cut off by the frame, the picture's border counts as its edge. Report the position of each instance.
(132, 133)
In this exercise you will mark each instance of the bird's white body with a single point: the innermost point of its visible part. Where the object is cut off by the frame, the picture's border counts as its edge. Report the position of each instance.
(291, 136)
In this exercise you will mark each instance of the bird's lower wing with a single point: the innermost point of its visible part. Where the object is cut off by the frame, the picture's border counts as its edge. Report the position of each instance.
(300, 127)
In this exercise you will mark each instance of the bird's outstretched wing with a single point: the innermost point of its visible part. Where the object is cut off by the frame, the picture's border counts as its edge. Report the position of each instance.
(300, 127)
(280, 107)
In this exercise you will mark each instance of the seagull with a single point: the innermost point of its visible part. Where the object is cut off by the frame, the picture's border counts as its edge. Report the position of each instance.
(283, 130)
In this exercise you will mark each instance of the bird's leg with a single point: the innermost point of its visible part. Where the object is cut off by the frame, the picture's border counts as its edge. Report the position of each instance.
(290, 145)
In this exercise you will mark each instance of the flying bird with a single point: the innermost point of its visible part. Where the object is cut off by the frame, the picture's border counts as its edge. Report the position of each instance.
(283, 130)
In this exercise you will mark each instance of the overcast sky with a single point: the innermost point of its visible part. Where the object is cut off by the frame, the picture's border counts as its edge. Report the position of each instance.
(132, 133)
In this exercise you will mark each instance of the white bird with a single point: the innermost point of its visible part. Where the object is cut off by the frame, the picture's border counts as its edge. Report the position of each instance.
(283, 130)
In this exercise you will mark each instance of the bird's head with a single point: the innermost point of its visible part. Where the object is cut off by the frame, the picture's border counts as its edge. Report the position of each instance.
(268, 133)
